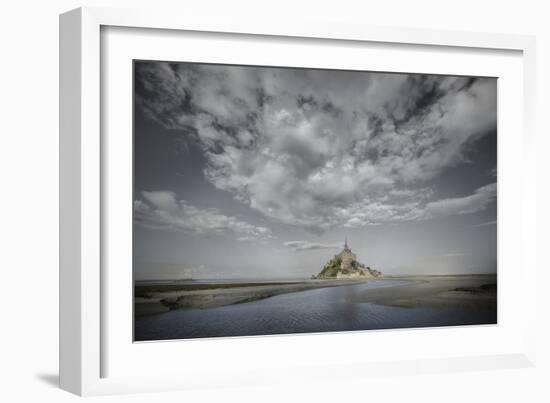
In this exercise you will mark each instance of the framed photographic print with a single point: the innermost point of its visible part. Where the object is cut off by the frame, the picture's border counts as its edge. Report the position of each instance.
(239, 197)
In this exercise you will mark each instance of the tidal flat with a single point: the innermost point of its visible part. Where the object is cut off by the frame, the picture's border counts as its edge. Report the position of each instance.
(167, 311)
(443, 291)
(157, 298)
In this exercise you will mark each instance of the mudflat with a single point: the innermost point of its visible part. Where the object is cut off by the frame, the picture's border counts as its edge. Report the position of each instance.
(458, 291)
(478, 292)
(154, 299)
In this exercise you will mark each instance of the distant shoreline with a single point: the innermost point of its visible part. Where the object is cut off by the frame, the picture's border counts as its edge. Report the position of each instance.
(285, 279)
(440, 275)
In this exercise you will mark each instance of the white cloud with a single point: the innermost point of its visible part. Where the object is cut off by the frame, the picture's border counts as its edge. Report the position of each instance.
(372, 213)
(478, 201)
(308, 147)
(145, 270)
(299, 246)
(485, 224)
(161, 210)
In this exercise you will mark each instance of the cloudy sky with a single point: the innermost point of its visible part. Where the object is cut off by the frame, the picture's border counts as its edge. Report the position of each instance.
(256, 172)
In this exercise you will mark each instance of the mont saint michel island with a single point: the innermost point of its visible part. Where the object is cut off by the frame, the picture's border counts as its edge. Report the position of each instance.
(345, 266)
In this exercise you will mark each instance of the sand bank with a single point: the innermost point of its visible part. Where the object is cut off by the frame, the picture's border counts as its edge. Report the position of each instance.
(464, 291)
(162, 298)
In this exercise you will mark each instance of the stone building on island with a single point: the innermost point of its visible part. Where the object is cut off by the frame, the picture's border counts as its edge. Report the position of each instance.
(344, 265)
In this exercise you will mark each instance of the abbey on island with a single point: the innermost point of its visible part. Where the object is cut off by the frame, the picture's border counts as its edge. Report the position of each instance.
(345, 265)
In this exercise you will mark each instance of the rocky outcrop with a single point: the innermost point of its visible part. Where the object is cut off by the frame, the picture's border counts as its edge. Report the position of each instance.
(345, 266)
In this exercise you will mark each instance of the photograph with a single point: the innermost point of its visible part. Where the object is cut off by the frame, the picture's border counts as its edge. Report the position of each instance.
(271, 200)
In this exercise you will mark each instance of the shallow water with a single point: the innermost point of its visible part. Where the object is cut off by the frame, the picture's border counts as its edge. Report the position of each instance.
(320, 310)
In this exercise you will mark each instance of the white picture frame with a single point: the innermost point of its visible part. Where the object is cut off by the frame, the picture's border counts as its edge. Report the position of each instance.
(83, 173)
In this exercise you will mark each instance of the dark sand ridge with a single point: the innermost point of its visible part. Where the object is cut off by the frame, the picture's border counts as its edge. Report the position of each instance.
(463, 291)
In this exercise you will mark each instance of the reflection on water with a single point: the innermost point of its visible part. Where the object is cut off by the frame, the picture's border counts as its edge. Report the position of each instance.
(320, 310)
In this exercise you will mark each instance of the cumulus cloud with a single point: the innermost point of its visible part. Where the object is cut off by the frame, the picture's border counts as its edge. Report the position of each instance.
(319, 148)
(374, 212)
(161, 210)
(478, 201)
(299, 246)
